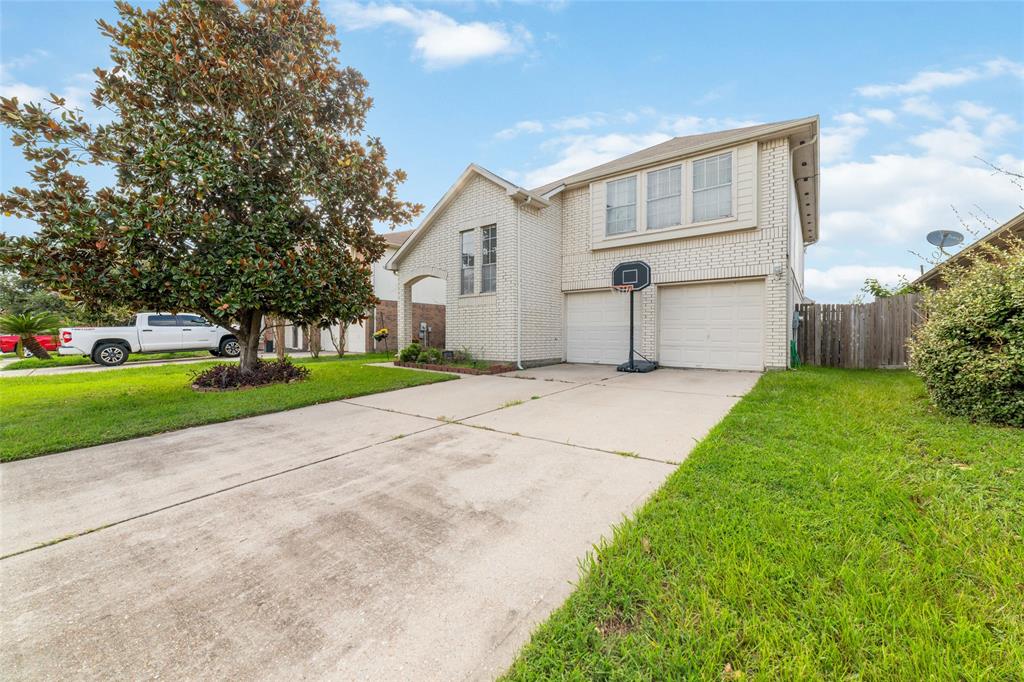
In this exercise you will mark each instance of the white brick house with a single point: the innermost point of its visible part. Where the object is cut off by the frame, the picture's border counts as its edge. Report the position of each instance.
(721, 218)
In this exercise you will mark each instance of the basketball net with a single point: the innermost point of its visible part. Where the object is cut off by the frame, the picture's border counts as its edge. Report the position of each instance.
(623, 288)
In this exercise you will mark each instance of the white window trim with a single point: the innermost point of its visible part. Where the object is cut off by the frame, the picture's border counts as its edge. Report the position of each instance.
(732, 187)
(494, 227)
(683, 165)
(476, 260)
(688, 227)
(638, 227)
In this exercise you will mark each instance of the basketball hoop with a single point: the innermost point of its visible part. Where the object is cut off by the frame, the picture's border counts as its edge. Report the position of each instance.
(623, 288)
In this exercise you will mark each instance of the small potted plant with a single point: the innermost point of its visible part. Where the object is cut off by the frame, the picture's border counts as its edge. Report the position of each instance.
(382, 335)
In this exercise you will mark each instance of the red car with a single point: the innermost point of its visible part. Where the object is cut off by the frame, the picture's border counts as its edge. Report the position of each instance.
(7, 343)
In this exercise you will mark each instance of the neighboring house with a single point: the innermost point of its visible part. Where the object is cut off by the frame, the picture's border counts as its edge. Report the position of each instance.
(997, 237)
(427, 313)
(722, 218)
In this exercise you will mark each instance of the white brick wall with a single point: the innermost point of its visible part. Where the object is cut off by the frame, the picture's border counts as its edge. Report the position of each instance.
(482, 323)
(728, 255)
(558, 259)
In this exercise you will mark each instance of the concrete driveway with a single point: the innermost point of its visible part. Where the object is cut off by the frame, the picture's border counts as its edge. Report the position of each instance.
(419, 534)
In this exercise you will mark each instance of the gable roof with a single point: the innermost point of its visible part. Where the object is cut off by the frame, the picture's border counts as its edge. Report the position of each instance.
(677, 146)
(396, 239)
(804, 149)
(514, 191)
(1013, 226)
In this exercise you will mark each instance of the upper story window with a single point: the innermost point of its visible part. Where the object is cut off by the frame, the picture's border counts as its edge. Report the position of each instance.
(712, 188)
(489, 259)
(620, 200)
(468, 261)
(664, 192)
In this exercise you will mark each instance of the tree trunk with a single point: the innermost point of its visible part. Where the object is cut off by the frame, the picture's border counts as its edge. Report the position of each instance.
(33, 345)
(249, 326)
(313, 334)
(339, 348)
(279, 336)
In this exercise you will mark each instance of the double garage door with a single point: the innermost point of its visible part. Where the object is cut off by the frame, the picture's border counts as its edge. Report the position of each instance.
(717, 326)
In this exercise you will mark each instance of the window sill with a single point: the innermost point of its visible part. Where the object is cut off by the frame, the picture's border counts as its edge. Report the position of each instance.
(489, 294)
(706, 227)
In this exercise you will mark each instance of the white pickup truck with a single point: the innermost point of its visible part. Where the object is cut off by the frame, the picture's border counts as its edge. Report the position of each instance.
(148, 333)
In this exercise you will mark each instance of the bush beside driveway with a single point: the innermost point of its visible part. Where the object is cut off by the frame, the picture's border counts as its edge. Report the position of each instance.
(833, 525)
(45, 414)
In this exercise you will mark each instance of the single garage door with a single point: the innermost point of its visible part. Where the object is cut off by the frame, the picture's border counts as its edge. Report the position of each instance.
(597, 327)
(718, 326)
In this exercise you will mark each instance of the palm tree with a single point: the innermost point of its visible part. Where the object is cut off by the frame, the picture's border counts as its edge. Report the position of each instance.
(27, 326)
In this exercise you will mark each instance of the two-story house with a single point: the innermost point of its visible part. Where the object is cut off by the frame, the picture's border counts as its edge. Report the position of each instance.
(721, 218)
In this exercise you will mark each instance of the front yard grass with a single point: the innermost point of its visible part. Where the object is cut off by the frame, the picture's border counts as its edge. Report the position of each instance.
(43, 414)
(74, 360)
(833, 526)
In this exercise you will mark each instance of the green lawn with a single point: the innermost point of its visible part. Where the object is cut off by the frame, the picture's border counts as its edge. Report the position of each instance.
(72, 360)
(833, 526)
(42, 414)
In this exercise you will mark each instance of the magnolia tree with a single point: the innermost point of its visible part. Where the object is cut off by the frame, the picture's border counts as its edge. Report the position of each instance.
(245, 185)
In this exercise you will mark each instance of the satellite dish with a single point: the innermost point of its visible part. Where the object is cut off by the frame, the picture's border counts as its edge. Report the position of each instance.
(944, 238)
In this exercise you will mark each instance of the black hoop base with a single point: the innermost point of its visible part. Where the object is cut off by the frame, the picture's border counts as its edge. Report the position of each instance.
(638, 366)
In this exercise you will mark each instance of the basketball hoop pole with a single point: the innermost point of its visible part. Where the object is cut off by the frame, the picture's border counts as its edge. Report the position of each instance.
(629, 278)
(631, 365)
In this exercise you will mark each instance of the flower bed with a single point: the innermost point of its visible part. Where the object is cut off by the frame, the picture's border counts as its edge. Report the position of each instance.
(458, 369)
(224, 377)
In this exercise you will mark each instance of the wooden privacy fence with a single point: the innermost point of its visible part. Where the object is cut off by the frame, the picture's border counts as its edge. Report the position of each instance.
(864, 335)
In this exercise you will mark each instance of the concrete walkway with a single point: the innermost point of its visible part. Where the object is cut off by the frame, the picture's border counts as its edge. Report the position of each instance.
(419, 534)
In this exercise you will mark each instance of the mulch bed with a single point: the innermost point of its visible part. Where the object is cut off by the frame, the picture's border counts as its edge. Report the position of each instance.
(493, 369)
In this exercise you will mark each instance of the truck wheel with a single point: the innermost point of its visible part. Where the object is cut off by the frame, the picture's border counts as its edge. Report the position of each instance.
(109, 354)
(230, 348)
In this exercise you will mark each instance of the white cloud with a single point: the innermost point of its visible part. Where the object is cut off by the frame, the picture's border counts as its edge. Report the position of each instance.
(952, 143)
(922, 106)
(843, 282)
(694, 125)
(886, 116)
(973, 109)
(999, 125)
(928, 81)
(896, 199)
(850, 119)
(76, 96)
(580, 152)
(582, 122)
(838, 142)
(441, 42)
(23, 61)
(522, 127)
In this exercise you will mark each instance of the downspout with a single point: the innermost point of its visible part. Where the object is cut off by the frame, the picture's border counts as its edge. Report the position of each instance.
(519, 287)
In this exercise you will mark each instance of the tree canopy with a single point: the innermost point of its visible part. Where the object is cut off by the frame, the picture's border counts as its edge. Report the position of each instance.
(245, 182)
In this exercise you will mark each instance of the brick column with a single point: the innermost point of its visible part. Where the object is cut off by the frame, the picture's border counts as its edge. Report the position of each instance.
(404, 321)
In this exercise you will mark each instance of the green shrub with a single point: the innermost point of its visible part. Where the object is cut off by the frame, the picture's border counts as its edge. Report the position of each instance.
(970, 350)
(430, 356)
(410, 352)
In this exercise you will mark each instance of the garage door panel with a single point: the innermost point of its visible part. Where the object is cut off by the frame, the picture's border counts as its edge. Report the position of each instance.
(598, 327)
(718, 326)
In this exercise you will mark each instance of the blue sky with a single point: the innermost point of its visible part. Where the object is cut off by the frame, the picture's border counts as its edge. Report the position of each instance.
(908, 93)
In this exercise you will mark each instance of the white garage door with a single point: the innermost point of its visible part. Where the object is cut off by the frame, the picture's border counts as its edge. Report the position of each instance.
(718, 326)
(598, 327)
